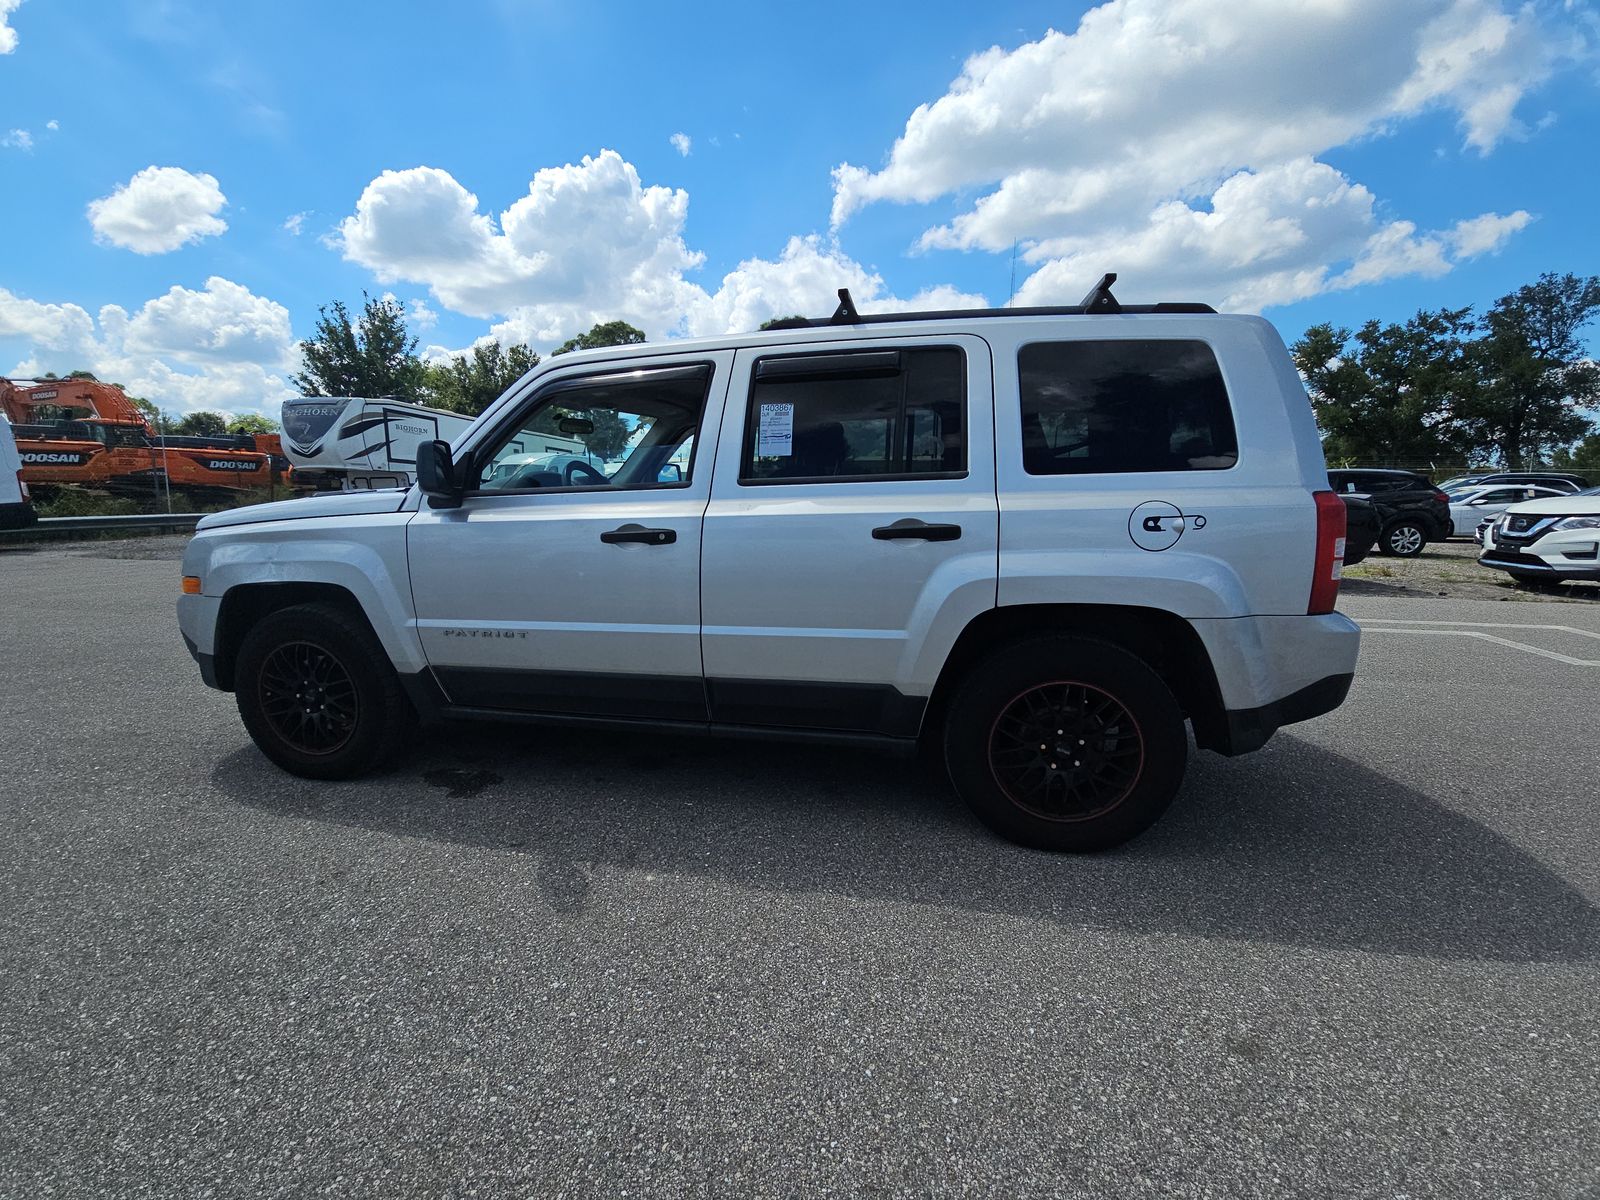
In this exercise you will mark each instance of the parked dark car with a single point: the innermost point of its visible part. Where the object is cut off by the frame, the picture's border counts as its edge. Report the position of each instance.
(1361, 528)
(1411, 511)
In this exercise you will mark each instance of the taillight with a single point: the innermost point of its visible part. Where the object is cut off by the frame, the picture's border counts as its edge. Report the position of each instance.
(1330, 553)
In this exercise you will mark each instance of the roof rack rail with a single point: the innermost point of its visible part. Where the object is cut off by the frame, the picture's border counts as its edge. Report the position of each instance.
(1099, 301)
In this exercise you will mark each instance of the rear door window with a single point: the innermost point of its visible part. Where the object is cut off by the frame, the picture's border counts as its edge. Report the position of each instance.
(1129, 404)
(857, 416)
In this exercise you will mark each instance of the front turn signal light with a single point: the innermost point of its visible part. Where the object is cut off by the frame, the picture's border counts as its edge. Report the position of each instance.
(191, 585)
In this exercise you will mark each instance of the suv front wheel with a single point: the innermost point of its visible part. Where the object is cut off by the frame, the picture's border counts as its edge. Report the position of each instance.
(1403, 539)
(1065, 743)
(318, 694)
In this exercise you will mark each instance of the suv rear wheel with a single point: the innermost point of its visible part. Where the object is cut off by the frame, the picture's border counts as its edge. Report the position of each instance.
(1066, 743)
(318, 694)
(1403, 539)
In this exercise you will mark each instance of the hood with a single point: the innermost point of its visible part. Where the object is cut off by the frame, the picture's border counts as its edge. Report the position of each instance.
(1559, 506)
(329, 504)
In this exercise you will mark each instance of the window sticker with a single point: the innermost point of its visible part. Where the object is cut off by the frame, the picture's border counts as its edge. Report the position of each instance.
(775, 436)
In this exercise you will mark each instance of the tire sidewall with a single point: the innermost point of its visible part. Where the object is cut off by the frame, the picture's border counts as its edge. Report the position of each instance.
(1389, 533)
(1111, 669)
(362, 659)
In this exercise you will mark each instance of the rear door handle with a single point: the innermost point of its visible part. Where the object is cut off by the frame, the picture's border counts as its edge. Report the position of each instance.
(909, 528)
(638, 533)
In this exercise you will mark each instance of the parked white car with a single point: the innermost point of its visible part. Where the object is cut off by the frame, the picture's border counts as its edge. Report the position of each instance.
(1042, 539)
(1470, 506)
(1552, 539)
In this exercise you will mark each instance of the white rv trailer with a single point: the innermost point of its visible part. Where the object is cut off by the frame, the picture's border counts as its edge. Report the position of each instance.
(349, 443)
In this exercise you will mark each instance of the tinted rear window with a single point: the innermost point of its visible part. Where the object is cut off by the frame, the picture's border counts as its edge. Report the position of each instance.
(1093, 407)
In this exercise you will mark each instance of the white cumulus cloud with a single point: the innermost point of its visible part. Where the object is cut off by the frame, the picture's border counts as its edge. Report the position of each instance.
(294, 221)
(589, 242)
(8, 35)
(1179, 138)
(1486, 234)
(682, 143)
(804, 281)
(221, 347)
(159, 209)
(17, 139)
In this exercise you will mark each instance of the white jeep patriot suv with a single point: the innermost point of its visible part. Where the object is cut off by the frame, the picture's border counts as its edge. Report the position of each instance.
(1041, 539)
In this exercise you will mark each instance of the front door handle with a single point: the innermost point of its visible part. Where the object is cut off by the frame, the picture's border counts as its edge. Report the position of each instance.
(908, 528)
(638, 533)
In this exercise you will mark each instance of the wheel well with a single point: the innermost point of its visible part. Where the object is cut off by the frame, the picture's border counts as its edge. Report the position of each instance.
(248, 603)
(1164, 640)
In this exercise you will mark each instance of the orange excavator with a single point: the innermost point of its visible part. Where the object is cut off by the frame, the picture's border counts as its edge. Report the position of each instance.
(86, 432)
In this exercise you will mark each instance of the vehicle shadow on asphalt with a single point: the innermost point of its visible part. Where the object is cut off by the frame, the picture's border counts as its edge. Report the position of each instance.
(1294, 845)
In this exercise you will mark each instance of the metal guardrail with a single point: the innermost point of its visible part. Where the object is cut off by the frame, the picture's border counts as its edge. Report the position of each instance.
(176, 521)
(137, 521)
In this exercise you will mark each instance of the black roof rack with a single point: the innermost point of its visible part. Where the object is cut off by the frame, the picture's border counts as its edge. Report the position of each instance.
(1098, 301)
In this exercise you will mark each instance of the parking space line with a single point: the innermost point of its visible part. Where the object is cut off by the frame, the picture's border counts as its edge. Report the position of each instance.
(1477, 625)
(1499, 641)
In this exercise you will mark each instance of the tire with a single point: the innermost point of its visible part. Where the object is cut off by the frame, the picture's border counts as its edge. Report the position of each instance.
(1403, 539)
(324, 655)
(1033, 798)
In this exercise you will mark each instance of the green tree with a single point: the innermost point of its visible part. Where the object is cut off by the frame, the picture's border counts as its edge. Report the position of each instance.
(469, 383)
(202, 424)
(159, 421)
(608, 333)
(1389, 392)
(791, 322)
(251, 423)
(376, 356)
(1584, 457)
(1534, 378)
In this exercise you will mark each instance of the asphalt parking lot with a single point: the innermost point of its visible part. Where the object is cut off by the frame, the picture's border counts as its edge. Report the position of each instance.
(1362, 962)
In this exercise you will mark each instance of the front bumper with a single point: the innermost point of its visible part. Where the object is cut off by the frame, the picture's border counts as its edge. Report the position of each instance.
(1560, 554)
(197, 623)
(206, 662)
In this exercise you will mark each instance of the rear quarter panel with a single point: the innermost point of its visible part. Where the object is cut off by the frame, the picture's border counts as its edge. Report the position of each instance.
(1067, 538)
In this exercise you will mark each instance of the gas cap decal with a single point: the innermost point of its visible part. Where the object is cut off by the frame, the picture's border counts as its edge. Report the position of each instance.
(1157, 525)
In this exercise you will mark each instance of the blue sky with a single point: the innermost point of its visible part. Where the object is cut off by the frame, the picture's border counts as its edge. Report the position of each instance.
(1331, 161)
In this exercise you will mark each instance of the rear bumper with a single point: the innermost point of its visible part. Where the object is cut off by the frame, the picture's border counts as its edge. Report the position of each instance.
(1248, 729)
(1274, 671)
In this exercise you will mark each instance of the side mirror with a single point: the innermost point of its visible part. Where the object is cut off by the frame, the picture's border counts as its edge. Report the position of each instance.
(436, 475)
(671, 473)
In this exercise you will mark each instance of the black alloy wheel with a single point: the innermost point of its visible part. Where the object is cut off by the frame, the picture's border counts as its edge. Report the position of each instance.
(309, 697)
(1066, 751)
(1063, 742)
(318, 694)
